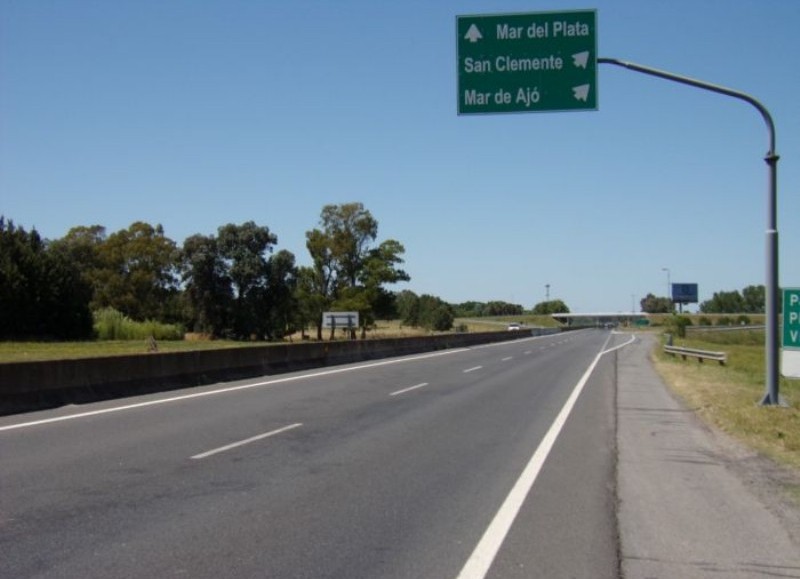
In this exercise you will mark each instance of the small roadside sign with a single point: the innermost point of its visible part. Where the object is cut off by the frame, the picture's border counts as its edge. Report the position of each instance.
(790, 354)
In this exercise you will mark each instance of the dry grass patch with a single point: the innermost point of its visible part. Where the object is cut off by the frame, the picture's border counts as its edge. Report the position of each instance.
(728, 397)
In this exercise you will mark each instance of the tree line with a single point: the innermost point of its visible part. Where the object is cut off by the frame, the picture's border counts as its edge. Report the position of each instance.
(751, 300)
(232, 284)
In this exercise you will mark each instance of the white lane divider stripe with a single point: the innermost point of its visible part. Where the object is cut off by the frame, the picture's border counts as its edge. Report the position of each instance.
(478, 564)
(468, 370)
(246, 441)
(409, 389)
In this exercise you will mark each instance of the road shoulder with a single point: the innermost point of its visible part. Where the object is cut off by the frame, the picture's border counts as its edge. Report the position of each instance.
(687, 505)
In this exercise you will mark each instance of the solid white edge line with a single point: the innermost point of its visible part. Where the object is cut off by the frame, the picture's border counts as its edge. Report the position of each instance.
(226, 390)
(487, 548)
(246, 441)
(404, 390)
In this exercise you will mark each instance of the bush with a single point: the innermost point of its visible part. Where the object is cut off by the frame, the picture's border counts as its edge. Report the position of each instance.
(723, 321)
(704, 321)
(110, 324)
(677, 325)
(743, 320)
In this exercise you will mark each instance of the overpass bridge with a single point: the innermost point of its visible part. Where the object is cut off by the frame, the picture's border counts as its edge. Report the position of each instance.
(603, 319)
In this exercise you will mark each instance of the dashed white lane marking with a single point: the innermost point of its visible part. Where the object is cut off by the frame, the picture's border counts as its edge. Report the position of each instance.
(409, 389)
(245, 441)
(468, 370)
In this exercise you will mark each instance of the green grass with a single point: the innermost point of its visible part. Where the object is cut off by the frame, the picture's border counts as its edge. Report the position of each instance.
(38, 351)
(728, 396)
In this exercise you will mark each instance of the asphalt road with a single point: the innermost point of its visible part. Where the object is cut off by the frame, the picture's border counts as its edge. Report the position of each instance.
(409, 467)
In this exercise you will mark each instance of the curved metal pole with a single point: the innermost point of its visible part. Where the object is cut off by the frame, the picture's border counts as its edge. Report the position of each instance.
(771, 396)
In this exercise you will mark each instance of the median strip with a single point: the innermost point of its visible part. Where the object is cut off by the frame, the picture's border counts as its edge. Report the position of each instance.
(246, 441)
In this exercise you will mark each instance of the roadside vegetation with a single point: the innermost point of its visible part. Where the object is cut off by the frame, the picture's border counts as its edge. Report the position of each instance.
(728, 397)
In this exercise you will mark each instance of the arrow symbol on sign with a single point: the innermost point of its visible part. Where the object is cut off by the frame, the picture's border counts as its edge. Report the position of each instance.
(581, 92)
(581, 59)
(473, 34)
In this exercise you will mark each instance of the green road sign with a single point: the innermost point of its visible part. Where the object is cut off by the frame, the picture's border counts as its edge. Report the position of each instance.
(540, 61)
(791, 318)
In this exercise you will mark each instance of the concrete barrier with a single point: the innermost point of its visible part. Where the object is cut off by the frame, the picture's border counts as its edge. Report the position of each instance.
(26, 386)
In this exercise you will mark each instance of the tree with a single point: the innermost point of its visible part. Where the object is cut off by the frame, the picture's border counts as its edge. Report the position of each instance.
(81, 246)
(281, 301)
(435, 314)
(208, 291)
(244, 249)
(500, 308)
(408, 307)
(311, 299)
(348, 272)
(137, 273)
(42, 295)
(754, 297)
(651, 304)
(470, 309)
(550, 307)
(724, 302)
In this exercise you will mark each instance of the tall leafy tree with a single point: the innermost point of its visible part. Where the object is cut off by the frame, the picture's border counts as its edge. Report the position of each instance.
(245, 248)
(348, 271)
(550, 307)
(651, 304)
(754, 297)
(312, 299)
(137, 274)
(408, 307)
(208, 291)
(42, 295)
(281, 300)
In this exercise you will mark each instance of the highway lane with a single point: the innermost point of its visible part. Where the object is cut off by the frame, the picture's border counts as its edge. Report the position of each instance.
(386, 469)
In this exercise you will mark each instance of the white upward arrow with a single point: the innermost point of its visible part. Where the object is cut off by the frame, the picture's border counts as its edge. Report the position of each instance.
(473, 34)
(580, 59)
(581, 92)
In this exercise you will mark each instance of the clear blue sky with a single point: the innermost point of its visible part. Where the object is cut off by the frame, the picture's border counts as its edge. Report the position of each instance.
(194, 114)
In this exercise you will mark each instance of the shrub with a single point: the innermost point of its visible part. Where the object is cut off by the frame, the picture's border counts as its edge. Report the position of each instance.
(677, 325)
(110, 324)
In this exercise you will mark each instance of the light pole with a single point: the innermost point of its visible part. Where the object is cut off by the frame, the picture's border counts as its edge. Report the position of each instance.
(668, 281)
(547, 292)
(771, 350)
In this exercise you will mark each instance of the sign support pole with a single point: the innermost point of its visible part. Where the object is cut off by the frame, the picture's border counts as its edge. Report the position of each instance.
(771, 395)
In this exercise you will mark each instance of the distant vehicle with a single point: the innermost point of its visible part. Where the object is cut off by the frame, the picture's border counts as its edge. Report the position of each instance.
(513, 327)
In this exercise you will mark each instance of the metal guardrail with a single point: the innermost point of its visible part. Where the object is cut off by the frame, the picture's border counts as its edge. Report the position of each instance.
(701, 355)
(701, 329)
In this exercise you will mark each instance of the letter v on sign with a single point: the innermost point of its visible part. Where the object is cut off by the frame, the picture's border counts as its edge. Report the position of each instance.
(791, 318)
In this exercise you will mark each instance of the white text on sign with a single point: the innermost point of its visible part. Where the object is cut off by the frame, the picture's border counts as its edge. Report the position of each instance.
(560, 29)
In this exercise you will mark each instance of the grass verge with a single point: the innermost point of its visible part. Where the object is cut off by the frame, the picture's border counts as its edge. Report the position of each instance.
(39, 351)
(728, 396)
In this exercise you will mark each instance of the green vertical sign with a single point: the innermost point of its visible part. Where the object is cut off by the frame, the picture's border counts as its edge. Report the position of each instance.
(540, 61)
(791, 318)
